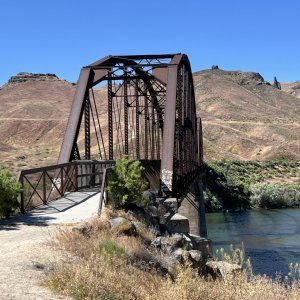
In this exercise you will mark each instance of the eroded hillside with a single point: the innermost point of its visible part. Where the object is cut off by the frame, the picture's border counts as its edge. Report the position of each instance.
(244, 117)
(34, 109)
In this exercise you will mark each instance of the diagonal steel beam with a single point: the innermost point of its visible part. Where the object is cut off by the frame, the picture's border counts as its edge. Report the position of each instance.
(75, 117)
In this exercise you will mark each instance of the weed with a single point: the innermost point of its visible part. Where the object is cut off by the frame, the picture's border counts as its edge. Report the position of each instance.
(111, 248)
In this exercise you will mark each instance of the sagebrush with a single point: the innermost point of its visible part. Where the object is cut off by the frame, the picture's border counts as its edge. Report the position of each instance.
(9, 191)
(126, 184)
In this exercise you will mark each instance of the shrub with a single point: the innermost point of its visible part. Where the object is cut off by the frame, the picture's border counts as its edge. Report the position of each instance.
(125, 183)
(9, 191)
(275, 195)
(111, 248)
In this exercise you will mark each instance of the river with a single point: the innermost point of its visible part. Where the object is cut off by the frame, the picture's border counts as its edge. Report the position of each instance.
(271, 237)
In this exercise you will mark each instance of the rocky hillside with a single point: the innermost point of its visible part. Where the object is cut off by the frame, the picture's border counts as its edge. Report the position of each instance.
(244, 117)
(292, 88)
(34, 110)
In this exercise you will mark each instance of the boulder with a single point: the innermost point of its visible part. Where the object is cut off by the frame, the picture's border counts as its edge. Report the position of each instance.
(178, 223)
(196, 255)
(122, 226)
(201, 244)
(181, 255)
(223, 269)
(168, 244)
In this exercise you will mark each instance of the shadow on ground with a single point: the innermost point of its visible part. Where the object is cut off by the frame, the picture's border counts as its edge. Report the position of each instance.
(70, 209)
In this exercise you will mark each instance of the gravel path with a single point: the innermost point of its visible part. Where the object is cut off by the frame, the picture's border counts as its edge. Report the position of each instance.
(25, 251)
(25, 257)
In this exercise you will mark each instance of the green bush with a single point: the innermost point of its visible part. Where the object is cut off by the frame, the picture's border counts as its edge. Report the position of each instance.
(275, 195)
(9, 191)
(240, 184)
(224, 187)
(125, 183)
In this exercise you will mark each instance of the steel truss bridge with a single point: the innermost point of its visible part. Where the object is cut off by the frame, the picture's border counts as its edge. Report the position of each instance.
(142, 106)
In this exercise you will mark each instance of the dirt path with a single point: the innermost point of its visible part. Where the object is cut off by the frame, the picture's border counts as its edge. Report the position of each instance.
(25, 257)
(25, 251)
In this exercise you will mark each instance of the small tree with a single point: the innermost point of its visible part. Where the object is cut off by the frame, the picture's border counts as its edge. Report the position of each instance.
(125, 183)
(9, 191)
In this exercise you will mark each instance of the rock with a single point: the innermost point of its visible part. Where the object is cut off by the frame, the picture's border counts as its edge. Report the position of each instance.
(142, 231)
(223, 269)
(21, 157)
(177, 254)
(156, 242)
(150, 195)
(83, 229)
(181, 255)
(201, 244)
(122, 226)
(276, 84)
(24, 76)
(153, 211)
(245, 78)
(114, 222)
(171, 204)
(195, 255)
(150, 266)
(168, 244)
(178, 223)
(38, 266)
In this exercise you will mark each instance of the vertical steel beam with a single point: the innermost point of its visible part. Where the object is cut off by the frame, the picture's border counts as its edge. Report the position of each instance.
(152, 133)
(169, 131)
(110, 120)
(158, 136)
(87, 128)
(137, 121)
(180, 123)
(200, 143)
(146, 121)
(125, 113)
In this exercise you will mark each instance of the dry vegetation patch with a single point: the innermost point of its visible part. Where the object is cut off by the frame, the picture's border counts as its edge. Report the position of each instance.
(101, 264)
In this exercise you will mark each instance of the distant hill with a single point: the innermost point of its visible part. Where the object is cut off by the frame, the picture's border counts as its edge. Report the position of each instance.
(34, 109)
(244, 117)
(292, 88)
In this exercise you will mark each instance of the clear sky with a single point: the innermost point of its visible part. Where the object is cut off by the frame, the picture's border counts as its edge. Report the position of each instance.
(61, 36)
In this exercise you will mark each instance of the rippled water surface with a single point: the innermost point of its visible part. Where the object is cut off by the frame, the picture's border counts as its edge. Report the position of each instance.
(271, 237)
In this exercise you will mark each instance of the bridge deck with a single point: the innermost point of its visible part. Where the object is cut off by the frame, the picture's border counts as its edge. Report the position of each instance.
(73, 208)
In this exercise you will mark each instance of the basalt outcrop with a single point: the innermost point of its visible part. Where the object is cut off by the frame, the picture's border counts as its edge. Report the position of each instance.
(24, 76)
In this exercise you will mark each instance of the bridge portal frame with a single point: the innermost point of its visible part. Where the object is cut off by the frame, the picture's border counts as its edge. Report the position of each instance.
(178, 142)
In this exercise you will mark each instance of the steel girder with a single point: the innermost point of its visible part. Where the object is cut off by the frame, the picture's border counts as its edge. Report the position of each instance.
(149, 113)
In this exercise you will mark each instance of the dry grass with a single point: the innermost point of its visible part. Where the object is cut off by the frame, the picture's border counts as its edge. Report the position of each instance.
(100, 265)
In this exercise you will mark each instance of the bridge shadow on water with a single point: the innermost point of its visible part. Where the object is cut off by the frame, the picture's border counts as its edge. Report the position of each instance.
(61, 211)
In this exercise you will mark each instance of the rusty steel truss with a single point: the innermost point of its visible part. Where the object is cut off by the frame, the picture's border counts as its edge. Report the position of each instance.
(142, 106)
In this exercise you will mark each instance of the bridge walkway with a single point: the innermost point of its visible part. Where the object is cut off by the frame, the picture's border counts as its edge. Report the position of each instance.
(73, 208)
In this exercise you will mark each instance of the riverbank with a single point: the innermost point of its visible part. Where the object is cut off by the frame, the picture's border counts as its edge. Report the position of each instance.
(240, 185)
(105, 265)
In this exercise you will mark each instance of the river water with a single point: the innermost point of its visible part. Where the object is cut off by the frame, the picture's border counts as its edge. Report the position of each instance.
(271, 237)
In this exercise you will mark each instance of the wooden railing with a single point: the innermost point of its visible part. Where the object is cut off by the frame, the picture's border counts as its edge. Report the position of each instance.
(46, 184)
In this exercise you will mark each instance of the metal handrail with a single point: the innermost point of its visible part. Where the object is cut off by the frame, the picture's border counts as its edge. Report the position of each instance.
(52, 182)
(103, 191)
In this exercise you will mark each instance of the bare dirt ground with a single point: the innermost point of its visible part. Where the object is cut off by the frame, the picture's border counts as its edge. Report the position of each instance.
(26, 251)
(25, 258)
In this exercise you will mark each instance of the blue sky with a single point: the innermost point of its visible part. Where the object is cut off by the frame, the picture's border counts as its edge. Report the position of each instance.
(61, 36)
